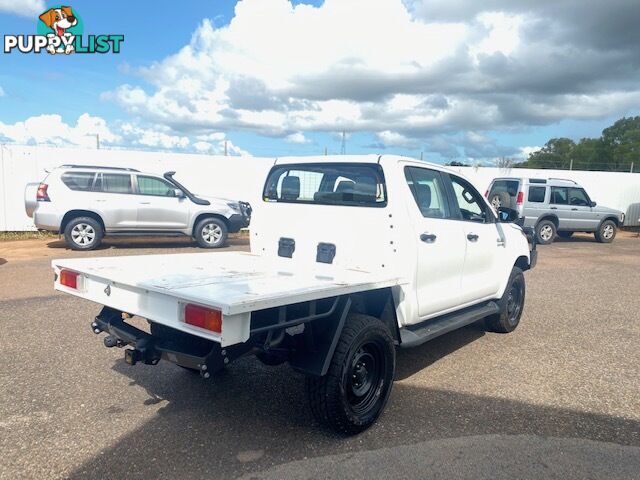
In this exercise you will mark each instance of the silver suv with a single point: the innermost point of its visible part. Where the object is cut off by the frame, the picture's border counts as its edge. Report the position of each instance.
(553, 207)
(86, 203)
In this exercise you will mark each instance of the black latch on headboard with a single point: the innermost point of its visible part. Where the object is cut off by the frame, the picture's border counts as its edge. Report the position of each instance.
(286, 247)
(326, 253)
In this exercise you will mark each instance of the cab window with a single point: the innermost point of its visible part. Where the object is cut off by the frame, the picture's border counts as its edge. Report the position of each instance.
(113, 183)
(428, 191)
(155, 186)
(578, 197)
(470, 203)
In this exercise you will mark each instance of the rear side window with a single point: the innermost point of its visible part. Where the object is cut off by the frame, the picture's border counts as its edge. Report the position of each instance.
(428, 191)
(82, 181)
(536, 194)
(350, 184)
(114, 183)
(559, 196)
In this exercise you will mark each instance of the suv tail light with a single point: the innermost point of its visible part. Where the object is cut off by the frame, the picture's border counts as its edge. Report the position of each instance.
(42, 195)
(520, 198)
(203, 317)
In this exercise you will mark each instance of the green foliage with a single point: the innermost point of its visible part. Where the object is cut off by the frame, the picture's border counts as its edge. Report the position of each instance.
(615, 150)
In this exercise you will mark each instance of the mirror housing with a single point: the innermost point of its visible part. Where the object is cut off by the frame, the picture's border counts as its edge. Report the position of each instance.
(592, 204)
(178, 193)
(507, 215)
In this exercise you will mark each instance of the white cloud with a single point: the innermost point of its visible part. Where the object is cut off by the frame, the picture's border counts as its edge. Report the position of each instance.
(298, 138)
(52, 130)
(407, 71)
(526, 151)
(26, 8)
(2, 94)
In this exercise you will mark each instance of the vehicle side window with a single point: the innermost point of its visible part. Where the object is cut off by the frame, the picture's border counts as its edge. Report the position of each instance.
(155, 186)
(578, 197)
(559, 196)
(428, 191)
(116, 183)
(536, 194)
(469, 201)
(82, 181)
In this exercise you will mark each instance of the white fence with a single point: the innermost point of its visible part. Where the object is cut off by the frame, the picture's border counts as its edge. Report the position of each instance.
(242, 178)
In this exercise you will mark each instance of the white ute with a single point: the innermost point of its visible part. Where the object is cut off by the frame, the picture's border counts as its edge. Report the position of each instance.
(350, 257)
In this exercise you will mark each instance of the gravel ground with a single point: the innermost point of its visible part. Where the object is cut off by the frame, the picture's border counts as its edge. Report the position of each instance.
(562, 390)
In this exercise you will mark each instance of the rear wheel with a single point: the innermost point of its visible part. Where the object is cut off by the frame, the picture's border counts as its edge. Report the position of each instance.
(355, 390)
(607, 232)
(545, 232)
(83, 233)
(211, 233)
(511, 305)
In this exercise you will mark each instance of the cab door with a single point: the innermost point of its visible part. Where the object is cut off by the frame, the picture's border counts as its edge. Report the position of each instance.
(440, 242)
(483, 241)
(159, 206)
(582, 217)
(559, 204)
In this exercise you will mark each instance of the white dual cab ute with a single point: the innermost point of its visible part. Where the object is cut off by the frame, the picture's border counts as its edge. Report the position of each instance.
(350, 257)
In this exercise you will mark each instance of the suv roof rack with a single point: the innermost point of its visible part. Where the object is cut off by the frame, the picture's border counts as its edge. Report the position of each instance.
(564, 180)
(99, 167)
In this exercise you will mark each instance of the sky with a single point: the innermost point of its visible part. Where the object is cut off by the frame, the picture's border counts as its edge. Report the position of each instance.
(444, 79)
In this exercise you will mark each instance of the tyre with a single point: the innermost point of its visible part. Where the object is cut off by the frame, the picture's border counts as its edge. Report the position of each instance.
(545, 232)
(355, 390)
(501, 199)
(565, 234)
(511, 305)
(211, 233)
(607, 231)
(83, 233)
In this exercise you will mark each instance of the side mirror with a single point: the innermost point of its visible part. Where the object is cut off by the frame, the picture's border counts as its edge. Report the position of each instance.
(507, 215)
(178, 193)
(592, 204)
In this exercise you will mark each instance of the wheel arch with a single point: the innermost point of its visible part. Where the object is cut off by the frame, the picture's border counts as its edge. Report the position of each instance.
(522, 262)
(614, 219)
(549, 216)
(204, 215)
(71, 214)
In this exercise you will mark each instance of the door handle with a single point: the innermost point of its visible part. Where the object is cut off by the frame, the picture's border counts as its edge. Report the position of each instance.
(145, 203)
(573, 209)
(553, 208)
(472, 237)
(428, 237)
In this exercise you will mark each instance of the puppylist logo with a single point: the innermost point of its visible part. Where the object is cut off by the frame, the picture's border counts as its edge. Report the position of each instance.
(60, 30)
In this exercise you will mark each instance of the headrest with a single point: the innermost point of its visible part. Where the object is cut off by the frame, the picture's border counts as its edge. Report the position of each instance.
(290, 188)
(423, 195)
(365, 186)
(345, 186)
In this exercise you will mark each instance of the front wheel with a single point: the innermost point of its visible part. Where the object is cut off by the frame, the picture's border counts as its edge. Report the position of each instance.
(511, 305)
(355, 390)
(211, 233)
(607, 232)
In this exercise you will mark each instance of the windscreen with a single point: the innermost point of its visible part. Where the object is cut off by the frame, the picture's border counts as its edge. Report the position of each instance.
(359, 184)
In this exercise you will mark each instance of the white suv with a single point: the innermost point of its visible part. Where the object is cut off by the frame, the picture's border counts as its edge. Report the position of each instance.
(86, 203)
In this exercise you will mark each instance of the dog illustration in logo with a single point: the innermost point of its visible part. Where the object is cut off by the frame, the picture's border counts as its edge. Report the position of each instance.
(59, 20)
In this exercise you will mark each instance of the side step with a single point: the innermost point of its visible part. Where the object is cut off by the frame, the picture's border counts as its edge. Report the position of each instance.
(415, 335)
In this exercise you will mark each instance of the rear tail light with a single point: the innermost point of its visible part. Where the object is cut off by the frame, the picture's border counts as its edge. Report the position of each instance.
(42, 195)
(203, 317)
(520, 198)
(71, 279)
